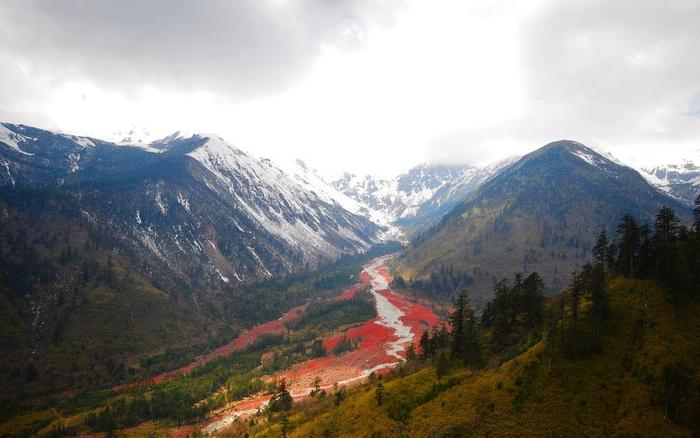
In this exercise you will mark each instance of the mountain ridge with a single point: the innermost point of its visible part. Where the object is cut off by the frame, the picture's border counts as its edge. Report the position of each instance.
(541, 214)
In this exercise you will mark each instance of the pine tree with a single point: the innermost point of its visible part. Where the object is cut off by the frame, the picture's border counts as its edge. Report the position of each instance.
(667, 224)
(457, 324)
(694, 259)
(410, 352)
(577, 286)
(594, 279)
(666, 235)
(338, 394)
(497, 315)
(471, 355)
(282, 400)
(463, 337)
(646, 250)
(601, 249)
(426, 347)
(379, 394)
(628, 245)
(532, 299)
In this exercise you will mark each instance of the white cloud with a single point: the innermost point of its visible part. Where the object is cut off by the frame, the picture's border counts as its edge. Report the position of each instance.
(358, 85)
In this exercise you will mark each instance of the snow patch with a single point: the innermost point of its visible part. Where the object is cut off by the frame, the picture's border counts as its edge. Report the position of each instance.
(160, 203)
(12, 139)
(7, 168)
(224, 279)
(252, 251)
(182, 200)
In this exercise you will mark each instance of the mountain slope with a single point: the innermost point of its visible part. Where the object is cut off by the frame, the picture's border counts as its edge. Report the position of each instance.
(185, 199)
(541, 214)
(146, 247)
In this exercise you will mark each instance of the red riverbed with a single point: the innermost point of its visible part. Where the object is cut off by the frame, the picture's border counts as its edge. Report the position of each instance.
(373, 353)
(276, 327)
(376, 340)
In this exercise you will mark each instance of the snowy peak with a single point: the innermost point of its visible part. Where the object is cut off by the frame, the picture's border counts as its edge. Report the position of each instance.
(424, 179)
(418, 197)
(680, 180)
(196, 196)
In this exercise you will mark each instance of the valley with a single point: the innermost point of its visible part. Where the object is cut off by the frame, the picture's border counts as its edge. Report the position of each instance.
(185, 287)
(382, 345)
(349, 219)
(376, 345)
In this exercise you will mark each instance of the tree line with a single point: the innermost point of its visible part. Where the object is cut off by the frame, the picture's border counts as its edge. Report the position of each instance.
(666, 251)
(519, 314)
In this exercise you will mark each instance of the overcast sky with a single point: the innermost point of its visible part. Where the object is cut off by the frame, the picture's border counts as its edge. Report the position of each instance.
(364, 86)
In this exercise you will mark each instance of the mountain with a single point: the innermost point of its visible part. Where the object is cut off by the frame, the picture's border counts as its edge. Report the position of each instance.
(417, 198)
(541, 214)
(680, 180)
(190, 200)
(310, 179)
(109, 252)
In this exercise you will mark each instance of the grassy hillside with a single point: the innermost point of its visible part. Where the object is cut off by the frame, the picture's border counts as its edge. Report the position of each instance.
(532, 391)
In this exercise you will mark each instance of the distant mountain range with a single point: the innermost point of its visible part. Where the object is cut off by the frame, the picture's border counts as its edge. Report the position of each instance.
(195, 200)
(416, 199)
(680, 180)
(117, 249)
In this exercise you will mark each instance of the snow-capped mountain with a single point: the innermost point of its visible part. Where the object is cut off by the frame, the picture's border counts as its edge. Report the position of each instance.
(309, 178)
(421, 195)
(680, 180)
(190, 202)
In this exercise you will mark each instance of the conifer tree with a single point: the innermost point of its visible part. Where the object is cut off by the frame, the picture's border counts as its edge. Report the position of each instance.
(410, 352)
(379, 394)
(282, 400)
(628, 245)
(426, 347)
(600, 249)
(646, 250)
(457, 324)
(464, 342)
(532, 297)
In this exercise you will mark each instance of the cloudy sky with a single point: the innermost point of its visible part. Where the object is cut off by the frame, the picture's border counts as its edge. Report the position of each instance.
(365, 86)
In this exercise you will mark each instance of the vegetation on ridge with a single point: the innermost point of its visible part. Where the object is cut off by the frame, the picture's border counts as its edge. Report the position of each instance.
(616, 353)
